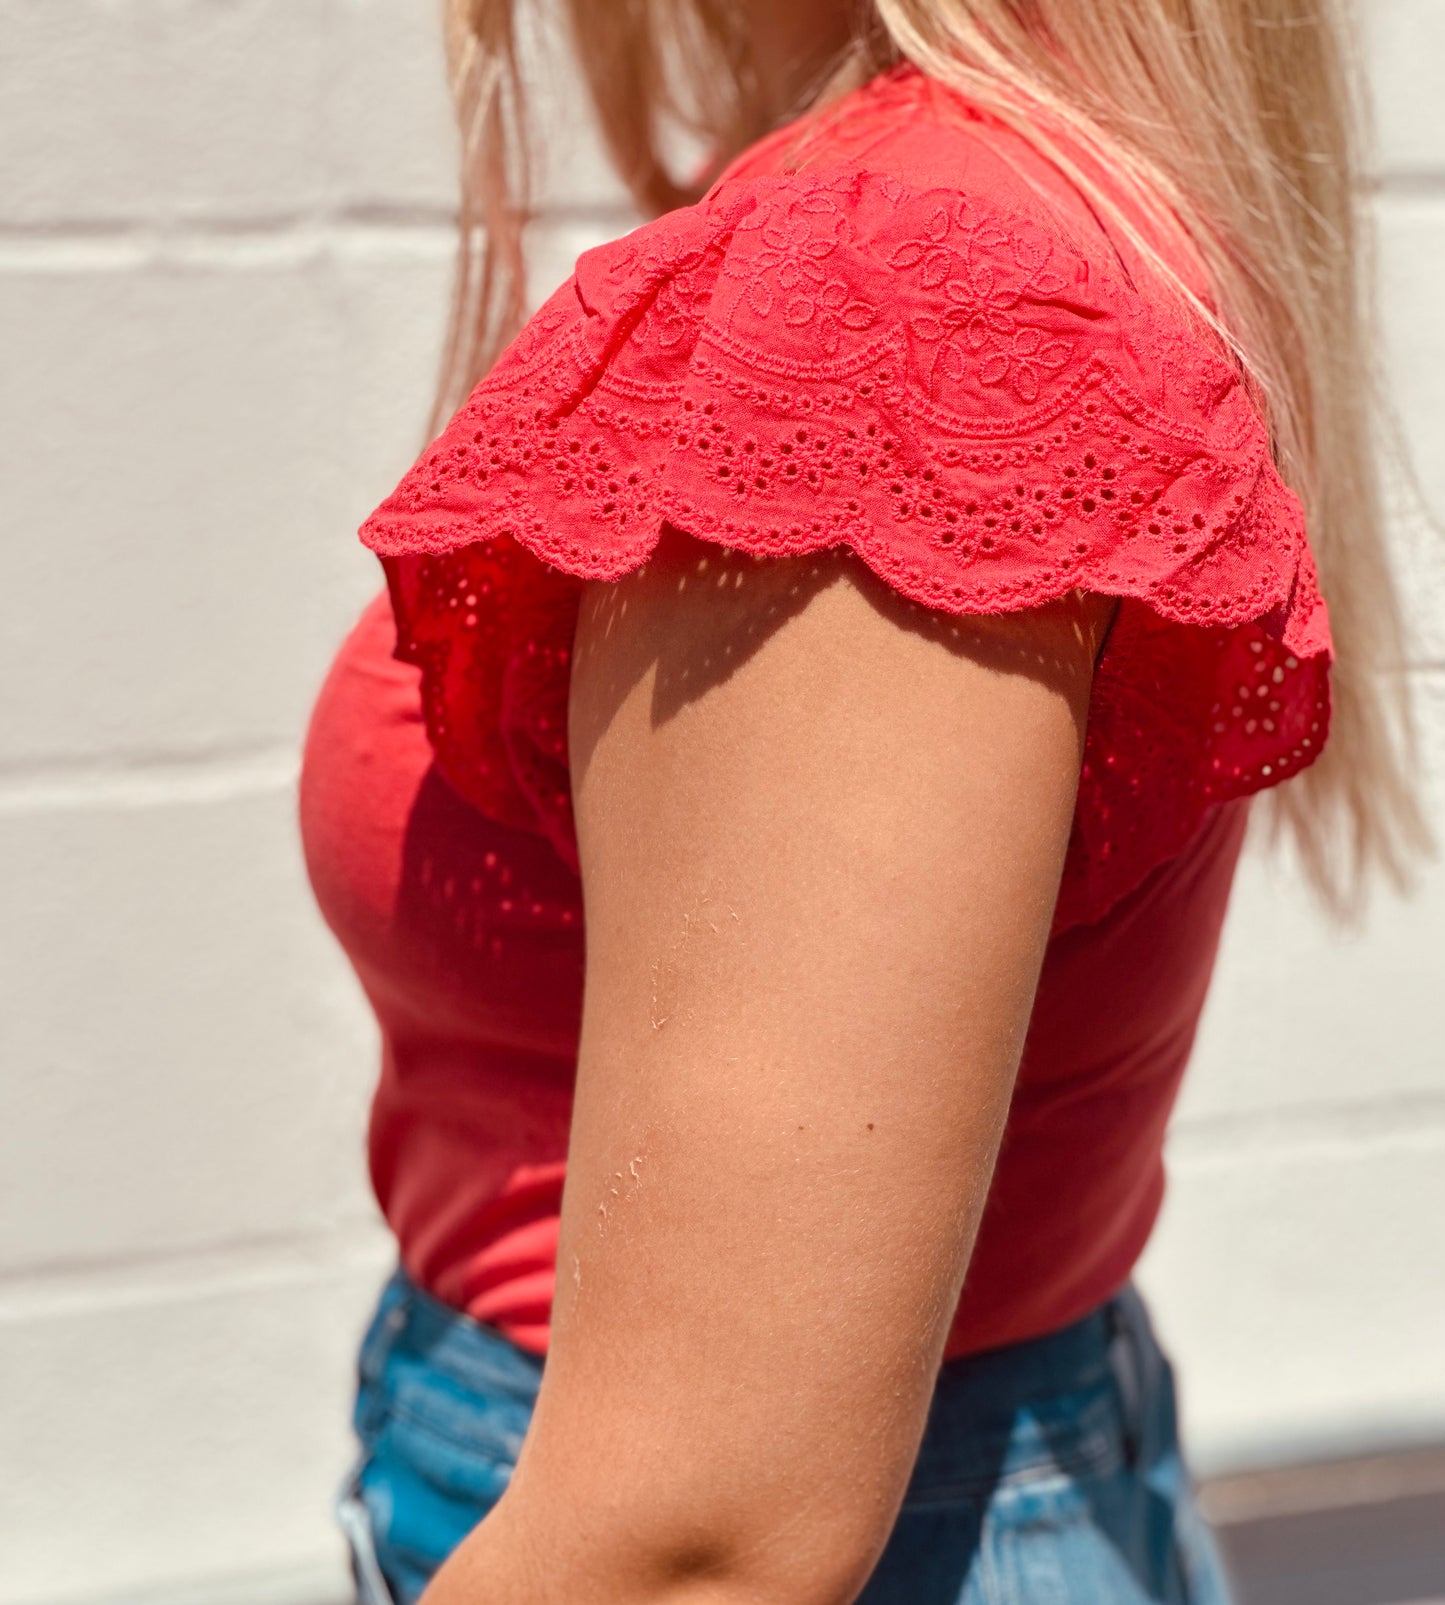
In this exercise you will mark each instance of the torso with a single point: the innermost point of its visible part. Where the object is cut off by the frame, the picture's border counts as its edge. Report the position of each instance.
(468, 938)
(1002, 376)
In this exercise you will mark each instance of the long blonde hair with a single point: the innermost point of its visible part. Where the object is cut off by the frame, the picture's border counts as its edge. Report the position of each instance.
(1239, 120)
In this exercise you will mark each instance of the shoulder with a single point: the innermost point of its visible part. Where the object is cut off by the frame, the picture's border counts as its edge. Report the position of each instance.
(902, 241)
(907, 337)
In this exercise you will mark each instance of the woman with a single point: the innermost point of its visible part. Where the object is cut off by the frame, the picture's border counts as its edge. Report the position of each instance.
(880, 584)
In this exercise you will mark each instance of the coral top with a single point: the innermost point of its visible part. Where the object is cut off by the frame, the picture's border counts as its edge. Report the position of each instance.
(910, 335)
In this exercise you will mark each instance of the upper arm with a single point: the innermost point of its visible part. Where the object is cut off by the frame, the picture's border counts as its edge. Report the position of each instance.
(821, 832)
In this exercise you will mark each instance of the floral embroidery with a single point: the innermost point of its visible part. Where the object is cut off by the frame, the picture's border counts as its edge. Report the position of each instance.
(985, 414)
(792, 274)
(673, 315)
(798, 244)
(982, 283)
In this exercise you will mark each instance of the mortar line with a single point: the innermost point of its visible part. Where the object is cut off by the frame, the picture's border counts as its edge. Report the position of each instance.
(136, 1279)
(364, 217)
(1280, 1130)
(148, 781)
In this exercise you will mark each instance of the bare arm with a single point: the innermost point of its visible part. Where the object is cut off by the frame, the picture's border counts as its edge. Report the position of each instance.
(821, 835)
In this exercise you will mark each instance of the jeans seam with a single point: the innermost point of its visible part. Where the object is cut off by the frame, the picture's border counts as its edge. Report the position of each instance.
(354, 1520)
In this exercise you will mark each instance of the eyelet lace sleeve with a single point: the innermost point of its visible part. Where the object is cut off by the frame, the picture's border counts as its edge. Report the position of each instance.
(986, 412)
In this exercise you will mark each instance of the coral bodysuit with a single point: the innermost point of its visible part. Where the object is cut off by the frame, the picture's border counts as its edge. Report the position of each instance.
(899, 330)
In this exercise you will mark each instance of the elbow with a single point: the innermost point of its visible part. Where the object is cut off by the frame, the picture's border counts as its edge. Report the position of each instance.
(783, 1568)
(802, 1551)
(796, 1555)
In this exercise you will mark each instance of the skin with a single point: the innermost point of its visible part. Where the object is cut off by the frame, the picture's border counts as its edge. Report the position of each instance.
(791, 42)
(821, 835)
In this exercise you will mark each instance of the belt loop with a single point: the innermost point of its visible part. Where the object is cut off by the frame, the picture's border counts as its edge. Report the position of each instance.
(389, 1320)
(1125, 1361)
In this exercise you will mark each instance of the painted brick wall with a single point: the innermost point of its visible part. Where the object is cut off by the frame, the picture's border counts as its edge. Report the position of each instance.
(223, 261)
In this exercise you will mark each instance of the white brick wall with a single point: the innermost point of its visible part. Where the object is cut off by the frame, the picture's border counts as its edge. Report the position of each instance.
(223, 258)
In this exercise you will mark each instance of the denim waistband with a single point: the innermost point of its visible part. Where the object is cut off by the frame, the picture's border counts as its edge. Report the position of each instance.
(1081, 1400)
(474, 1357)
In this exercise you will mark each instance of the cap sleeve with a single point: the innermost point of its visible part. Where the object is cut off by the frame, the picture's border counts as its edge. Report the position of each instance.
(985, 411)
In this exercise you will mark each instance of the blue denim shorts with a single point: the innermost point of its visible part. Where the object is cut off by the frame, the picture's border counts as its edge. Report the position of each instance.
(1049, 1471)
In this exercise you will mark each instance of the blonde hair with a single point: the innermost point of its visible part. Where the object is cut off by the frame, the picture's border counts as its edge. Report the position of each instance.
(1238, 121)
